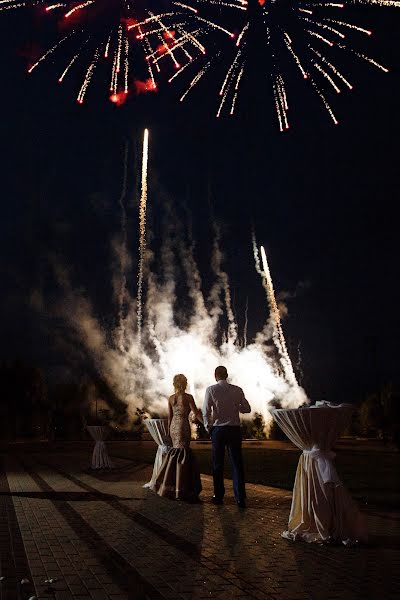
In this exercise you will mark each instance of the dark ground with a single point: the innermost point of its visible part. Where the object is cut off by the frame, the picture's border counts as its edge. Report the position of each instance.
(102, 536)
(369, 469)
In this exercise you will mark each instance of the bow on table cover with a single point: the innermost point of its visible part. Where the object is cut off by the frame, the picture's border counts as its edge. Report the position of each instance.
(100, 457)
(322, 509)
(158, 429)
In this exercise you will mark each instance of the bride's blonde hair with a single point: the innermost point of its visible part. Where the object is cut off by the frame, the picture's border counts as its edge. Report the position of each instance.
(180, 383)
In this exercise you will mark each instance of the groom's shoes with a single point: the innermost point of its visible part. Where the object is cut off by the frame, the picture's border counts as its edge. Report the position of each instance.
(216, 500)
(241, 504)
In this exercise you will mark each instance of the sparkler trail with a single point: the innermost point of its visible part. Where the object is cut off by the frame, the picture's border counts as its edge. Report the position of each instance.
(142, 233)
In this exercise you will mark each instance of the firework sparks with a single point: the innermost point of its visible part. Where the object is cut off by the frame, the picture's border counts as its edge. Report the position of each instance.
(67, 68)
(54, 6)
(47, 54)
(310, 34)
(10, 4)
(88, 77)
(175, 35)
(122, 31)
(142, 232)
(76, 8)
(278, 335)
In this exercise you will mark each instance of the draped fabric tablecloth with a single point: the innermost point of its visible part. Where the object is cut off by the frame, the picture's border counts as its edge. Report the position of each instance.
(158, 429)
(100, 458)
(322, 510)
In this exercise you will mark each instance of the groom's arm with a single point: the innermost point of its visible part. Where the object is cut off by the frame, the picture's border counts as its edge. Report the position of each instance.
(207, 408)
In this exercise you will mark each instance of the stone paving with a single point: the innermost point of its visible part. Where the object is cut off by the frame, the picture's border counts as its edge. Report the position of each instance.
(102, 536)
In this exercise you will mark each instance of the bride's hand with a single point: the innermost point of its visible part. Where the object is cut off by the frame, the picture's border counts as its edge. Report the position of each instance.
(197, 414)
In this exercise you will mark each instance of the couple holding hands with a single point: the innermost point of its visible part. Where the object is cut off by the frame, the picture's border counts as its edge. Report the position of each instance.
(179, 476)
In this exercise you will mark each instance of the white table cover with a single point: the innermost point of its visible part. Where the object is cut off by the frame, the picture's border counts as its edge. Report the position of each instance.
(100, 458)
(158, 429)
(322, 510)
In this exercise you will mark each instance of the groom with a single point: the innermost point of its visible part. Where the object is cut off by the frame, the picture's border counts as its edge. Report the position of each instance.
(222, 404)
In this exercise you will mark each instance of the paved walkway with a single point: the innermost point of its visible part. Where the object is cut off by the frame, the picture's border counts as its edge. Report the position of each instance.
(105, 537)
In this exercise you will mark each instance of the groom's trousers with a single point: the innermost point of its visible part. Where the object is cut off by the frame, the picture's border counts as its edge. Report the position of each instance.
(230, 437)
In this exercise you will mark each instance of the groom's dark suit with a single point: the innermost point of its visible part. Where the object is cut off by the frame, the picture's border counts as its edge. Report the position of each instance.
(222, 404)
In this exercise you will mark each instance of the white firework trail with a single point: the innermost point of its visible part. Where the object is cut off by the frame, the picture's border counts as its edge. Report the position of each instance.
(67, 68)
(4, 6)
(88, 77)
(178, 72)
(324, 26)
(276, 319)
(107, 48)
(327, 76)
(332, 67)
(46, 54)
(281, 104)
(320, 37)
(235, 68)
(233, 105)
(325, 102)
(185, 6)
(389, 3)
(241, 34)
(78, 7)
(195, 80)
(297, 60)
(126, 66)
(350, 26)
(364, 57)
(142, 232)
(54, 6)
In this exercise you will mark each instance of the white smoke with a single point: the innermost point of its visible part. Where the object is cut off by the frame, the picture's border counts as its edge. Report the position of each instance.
(161, 333)
(141, 374)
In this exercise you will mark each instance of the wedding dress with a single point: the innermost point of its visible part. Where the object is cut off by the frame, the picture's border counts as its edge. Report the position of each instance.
(179, 475)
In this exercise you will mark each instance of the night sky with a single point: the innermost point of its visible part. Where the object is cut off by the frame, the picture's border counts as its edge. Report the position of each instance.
(323, 200)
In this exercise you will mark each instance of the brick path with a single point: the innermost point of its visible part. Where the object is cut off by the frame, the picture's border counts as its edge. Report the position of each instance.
(105, 537)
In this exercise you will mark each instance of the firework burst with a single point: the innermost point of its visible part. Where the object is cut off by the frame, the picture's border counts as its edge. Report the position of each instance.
(315, 37)
(136, 40)
(131, 37)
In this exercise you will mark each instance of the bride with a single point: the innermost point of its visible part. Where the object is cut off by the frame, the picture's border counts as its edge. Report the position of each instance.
(179, 476)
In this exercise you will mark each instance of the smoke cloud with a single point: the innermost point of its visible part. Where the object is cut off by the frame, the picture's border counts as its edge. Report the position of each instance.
(140, 374)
